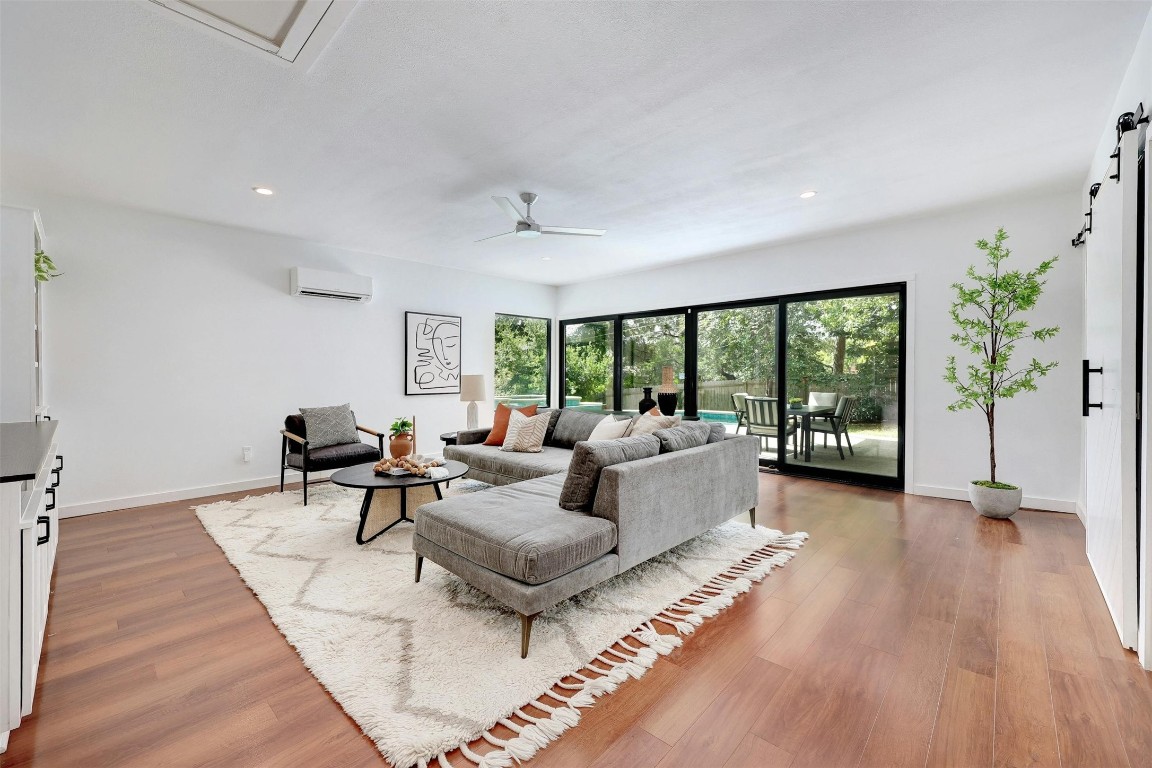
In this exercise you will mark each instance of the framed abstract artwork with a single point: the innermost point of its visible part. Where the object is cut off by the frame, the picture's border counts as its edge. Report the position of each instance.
(431, 354)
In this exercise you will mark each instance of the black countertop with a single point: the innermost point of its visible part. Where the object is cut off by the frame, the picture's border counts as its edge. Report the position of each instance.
(23, 445)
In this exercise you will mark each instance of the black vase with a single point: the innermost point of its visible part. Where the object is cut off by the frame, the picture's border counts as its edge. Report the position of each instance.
(646, 402)
(667, 403)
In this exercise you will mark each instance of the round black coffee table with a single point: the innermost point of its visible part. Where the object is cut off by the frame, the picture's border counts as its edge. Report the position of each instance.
(388, 509)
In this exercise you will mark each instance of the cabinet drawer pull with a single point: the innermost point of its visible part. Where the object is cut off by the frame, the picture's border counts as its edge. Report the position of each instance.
(59, 463)
(56, 482)
(47, 522)
(52, 505)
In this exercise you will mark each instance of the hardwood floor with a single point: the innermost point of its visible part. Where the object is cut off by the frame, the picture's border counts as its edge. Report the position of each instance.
(908, 632)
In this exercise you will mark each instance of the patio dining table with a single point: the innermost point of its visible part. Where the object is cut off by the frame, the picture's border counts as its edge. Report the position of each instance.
(806, 412)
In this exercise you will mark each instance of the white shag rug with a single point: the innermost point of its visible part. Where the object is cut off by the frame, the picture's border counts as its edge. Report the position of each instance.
(428, 668)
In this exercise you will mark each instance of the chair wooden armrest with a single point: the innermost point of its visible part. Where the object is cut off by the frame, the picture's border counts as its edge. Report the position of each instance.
(372, 432)
(378, 435)
(291, 436)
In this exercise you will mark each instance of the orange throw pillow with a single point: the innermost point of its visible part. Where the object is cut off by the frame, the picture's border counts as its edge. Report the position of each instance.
(500, 422)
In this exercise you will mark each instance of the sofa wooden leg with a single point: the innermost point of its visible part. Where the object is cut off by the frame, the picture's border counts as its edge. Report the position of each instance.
(419, 564)
(752, 514)
(525, 633)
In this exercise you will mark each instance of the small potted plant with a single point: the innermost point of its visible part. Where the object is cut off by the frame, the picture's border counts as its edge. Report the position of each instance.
(795, 402)
(400, 438)
(988, 316)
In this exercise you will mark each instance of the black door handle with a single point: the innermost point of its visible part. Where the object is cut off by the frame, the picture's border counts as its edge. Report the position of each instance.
(1088, 370)
(47, 523)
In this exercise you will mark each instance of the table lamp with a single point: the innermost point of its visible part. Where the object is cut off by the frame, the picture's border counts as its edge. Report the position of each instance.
(472, 390)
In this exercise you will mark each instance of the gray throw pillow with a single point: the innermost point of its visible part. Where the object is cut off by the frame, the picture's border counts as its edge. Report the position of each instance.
(331, 425)
(590, 457)
(717, 432)
(690, 434)
(553, 416)
(572, 427)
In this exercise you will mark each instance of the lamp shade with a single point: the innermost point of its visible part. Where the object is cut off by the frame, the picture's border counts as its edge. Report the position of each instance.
(471, 387)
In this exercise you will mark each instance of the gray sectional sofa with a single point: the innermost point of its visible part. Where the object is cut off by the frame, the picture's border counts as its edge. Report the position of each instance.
(580, 512)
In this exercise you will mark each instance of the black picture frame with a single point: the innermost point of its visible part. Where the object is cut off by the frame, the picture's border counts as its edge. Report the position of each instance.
(430, 349)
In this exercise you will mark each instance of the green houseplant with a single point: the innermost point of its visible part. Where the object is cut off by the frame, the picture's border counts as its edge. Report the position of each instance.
(400, 437)
(45, 269)
(988, 316)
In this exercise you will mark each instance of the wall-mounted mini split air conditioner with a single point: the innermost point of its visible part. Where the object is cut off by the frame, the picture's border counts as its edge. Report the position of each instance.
(320, 284)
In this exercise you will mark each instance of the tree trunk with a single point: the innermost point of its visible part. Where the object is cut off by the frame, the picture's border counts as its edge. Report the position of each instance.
(992, 440)
(841, 350)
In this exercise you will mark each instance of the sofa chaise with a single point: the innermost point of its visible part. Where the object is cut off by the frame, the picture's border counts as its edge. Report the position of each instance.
(566, 519)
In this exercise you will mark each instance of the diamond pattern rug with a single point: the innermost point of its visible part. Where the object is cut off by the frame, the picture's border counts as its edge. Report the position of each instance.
(428, 668)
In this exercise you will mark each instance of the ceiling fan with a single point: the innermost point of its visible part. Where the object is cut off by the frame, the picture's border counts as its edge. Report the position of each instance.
(527, 227)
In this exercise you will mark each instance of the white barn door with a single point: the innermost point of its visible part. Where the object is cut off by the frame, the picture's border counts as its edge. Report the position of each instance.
(1111, 315)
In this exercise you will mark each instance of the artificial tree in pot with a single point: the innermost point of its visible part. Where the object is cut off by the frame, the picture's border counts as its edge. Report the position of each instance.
(988, 316)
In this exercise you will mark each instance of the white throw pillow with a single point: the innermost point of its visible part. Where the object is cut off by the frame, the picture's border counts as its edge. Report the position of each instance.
(610, 428)
(647, 424)
(526, 433)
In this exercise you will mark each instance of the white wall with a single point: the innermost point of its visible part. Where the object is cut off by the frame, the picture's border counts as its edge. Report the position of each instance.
(172, 343)
(1038, 442)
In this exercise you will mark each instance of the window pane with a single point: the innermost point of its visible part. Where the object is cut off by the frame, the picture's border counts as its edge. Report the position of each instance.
(737, 356)
(842, 349)
(588, 366)
(521, 358)
(653, 351)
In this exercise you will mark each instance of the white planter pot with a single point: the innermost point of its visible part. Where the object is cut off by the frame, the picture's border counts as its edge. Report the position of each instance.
(994, 502)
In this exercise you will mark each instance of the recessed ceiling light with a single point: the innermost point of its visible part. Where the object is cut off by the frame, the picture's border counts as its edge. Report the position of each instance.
(546, 258)
(808, 194)
(263, 191)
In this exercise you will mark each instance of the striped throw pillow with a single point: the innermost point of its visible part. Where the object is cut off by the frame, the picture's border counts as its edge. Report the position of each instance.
(526, 433)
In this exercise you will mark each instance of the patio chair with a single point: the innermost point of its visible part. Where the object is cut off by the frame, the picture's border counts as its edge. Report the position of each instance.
(837, 424)
(762, 421)
(741, 409)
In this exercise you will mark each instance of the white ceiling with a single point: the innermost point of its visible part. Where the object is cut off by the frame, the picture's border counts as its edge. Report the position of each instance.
(684, 129)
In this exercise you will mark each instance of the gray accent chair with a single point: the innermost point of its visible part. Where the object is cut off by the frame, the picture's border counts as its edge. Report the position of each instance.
(763, 424)
(837, 424)
(517, 544)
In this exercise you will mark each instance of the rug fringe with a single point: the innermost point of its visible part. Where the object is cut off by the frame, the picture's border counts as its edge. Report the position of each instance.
(684, 616)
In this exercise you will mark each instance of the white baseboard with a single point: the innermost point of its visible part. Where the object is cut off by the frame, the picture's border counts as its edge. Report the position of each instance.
(127, 502)
(1028, 502)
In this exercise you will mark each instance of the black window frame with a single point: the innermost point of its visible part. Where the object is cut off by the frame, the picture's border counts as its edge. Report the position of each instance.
(547, 354)
(690, 406)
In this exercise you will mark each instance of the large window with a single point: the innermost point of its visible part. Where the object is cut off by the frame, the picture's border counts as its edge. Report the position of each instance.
(817, 377)
(588, 365)
(523, 364)
(653, 356)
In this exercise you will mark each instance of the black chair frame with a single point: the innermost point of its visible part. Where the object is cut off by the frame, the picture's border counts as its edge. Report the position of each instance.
(286, 436)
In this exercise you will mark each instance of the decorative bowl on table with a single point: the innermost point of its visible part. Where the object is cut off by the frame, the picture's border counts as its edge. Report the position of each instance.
(405, 465)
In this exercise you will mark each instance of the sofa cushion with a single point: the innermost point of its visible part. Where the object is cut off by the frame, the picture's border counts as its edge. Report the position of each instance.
(690, 434)
(554, 416)
(526, 433)
(517, 531)
(649, 422)
(335, 456)
(717, 432)
(610, 428)
(330, 425)
(590, 457)
(515, 466)
(573, 426)
(500, 422)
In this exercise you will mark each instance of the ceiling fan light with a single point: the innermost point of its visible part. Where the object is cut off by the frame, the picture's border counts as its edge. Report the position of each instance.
(528, 233)
(809, 194)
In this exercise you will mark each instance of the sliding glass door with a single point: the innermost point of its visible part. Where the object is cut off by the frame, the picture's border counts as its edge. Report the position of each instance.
(652, 355)
(843, 361)
(588, 363)
(817, 378)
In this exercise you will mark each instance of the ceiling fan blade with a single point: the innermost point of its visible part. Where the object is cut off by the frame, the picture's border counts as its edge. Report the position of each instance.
(506, 206)
(572, 231)
(493, 237)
